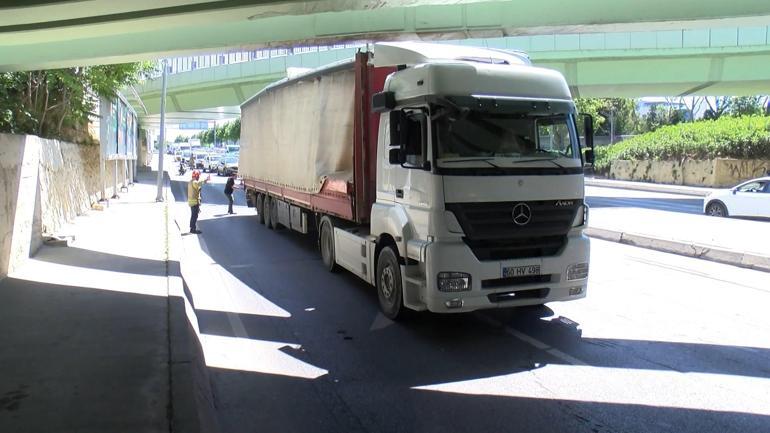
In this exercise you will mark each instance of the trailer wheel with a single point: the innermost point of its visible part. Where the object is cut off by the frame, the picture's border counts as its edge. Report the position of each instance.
(260, 205)
(267, 211)
(274, 214)
(326, 244)
(389, 289)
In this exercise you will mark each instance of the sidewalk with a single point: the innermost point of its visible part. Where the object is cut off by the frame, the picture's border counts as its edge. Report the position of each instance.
(91, 339)
(726, 240)
(646, 186)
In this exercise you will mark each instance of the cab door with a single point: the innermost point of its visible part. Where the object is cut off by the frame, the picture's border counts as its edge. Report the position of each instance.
(414, 188)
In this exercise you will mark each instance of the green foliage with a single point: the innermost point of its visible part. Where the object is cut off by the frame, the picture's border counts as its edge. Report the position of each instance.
(717, 107)
(57, 103)
(228, 132)
(661, 116)
(727, 137)
(747, 106)
(623, 110)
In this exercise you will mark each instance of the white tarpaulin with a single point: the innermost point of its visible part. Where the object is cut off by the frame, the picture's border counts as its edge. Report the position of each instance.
(297, 135)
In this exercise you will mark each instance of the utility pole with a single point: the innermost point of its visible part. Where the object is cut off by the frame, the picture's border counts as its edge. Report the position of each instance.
(162, 145)
(612, 124)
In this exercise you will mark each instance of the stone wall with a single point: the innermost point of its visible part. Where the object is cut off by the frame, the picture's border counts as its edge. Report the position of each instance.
(716, 173)
(43, 184)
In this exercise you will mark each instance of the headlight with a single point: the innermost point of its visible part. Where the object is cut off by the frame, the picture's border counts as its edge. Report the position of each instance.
(577, 271)
(454, 281)
(581, 216)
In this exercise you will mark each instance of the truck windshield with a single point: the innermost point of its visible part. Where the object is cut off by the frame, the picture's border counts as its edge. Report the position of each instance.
(504, 137)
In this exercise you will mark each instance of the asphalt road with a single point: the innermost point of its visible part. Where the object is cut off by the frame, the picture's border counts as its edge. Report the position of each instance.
(598, 197)
(662, 343)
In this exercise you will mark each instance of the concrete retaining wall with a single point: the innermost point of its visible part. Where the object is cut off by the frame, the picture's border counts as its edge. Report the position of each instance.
(43, 184)
(715, 173)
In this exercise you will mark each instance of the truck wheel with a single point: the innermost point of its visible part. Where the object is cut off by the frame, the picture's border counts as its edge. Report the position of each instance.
(326, 244)
(267, 211)
(389, 284)
(274, 214)
(260, 205)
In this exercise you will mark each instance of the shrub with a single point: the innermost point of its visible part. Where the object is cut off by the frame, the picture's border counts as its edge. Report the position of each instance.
(727, 137)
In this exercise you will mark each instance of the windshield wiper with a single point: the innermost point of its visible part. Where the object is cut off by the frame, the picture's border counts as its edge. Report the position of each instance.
(552, 160)
(487, 160)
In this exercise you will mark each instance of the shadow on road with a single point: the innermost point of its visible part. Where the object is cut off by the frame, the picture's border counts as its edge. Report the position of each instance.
(434, 372)
(81, 359)
(90, 259)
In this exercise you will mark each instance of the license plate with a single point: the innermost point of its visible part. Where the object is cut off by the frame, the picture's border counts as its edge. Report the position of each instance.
(520, 271)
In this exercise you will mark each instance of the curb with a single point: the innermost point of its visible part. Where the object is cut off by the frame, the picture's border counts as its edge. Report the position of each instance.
(729, 257)
(650, 187)
(191, 406)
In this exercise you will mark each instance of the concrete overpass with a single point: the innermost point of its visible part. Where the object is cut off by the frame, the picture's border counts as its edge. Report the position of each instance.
(723, 61)
(58, 33)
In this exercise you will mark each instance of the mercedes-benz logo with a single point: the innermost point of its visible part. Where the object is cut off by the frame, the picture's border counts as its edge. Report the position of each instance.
(521, 214)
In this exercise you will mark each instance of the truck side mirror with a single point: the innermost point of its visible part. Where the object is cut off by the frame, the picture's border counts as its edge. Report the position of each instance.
(588, 133)
(398, 128)
(383, 101)
(396, 156)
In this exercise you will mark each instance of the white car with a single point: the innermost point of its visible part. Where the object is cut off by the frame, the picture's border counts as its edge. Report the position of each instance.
(749, 199)
(213, 163)
(227, 166)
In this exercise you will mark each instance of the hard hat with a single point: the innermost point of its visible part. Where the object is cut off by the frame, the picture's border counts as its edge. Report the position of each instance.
(196, 174)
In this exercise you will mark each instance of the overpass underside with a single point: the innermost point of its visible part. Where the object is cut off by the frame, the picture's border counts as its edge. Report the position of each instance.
(725, 61)
(56, 33)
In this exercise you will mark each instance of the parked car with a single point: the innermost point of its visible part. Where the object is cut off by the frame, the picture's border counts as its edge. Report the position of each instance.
(227, 166)
(749, 199)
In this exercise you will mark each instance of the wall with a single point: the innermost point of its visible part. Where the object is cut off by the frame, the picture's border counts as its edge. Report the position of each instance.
(43, 184)
(720, 172)
(11, 161)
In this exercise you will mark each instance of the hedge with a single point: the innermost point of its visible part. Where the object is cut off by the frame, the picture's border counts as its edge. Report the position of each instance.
(727, 137)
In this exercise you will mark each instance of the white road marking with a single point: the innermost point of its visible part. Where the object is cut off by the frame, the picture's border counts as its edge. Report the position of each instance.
(537, 344)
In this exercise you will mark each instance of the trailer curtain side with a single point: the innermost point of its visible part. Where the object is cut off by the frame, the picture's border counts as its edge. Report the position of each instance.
(298, 135)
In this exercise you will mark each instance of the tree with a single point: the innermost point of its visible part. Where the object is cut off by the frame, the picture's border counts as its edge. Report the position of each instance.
(747, 106)
(233, 130)
(718, 105)
(57, 103)
(180, 139)
(693, 104)
(621, 112)
(207, 136)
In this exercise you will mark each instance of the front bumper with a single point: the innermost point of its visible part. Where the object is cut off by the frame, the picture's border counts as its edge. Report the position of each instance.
(456, 256)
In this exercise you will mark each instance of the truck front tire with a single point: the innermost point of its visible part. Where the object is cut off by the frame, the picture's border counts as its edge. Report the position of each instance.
(389, 289)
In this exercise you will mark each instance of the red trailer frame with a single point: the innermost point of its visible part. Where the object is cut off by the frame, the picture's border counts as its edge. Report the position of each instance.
(351, 201)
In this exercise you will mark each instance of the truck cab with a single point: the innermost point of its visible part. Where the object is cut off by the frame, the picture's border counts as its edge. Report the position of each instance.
(479, 182)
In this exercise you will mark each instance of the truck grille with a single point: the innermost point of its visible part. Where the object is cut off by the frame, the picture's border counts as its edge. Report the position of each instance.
(492, 234)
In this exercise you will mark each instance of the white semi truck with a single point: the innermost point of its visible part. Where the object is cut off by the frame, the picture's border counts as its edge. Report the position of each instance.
(450, 178)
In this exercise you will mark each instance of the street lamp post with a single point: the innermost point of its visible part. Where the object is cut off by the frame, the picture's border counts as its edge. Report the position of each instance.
(162, 147)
